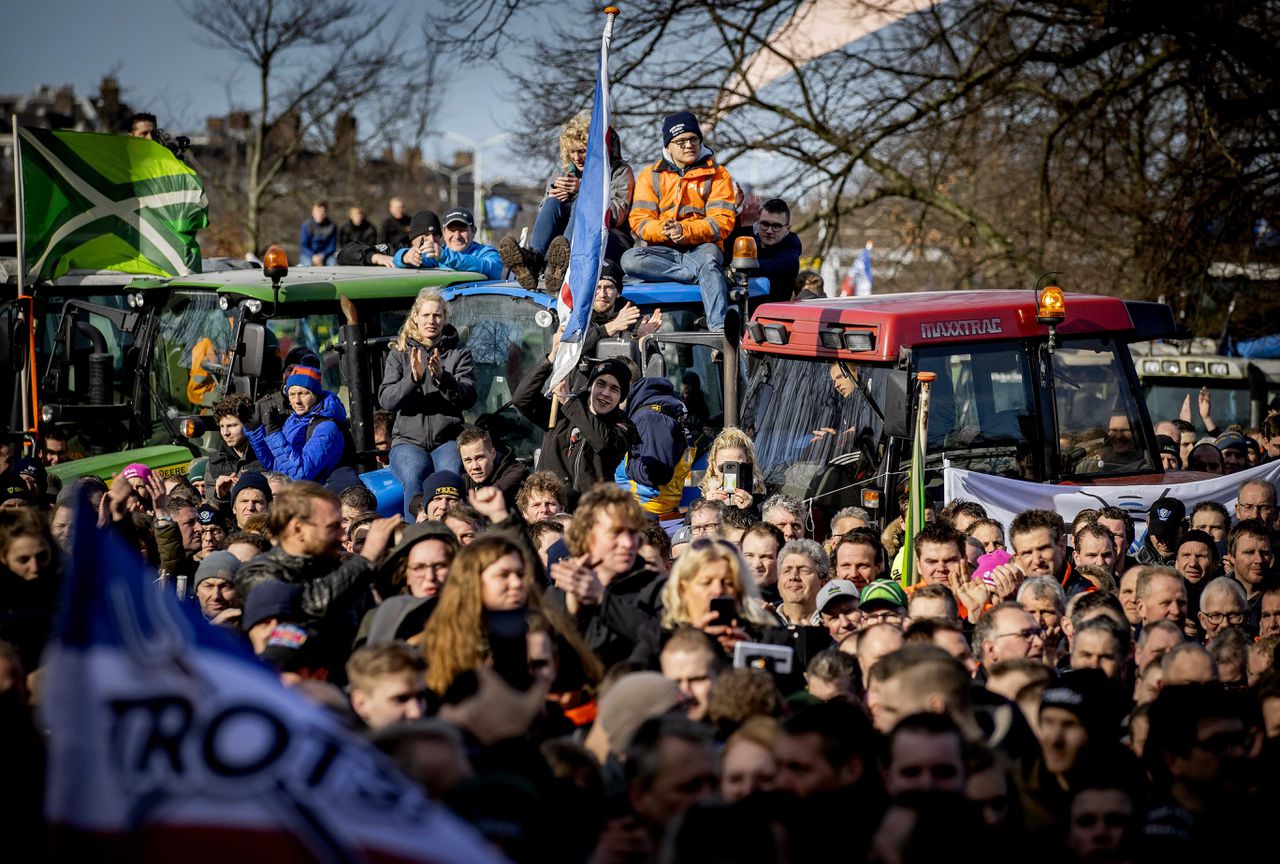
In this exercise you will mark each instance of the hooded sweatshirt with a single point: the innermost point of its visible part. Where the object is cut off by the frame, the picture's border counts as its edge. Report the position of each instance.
(654, 471)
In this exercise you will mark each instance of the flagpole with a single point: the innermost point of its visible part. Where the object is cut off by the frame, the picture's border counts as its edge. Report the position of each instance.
(18, 206)
(26, 385)
(915, 486)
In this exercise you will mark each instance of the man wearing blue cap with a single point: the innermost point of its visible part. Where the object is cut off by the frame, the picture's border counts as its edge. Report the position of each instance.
(683, 213)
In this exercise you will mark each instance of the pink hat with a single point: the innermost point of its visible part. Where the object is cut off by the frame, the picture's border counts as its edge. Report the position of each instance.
(136, 471)
(987, 563)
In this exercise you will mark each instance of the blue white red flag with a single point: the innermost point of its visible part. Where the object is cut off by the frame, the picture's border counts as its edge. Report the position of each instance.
(589, 228)
(860, 274)
(170, 741)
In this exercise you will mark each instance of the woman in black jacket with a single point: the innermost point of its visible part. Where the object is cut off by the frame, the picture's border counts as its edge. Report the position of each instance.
(429, 380)
(592, 433)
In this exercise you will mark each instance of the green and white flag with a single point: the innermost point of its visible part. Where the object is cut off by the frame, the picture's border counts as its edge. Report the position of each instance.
(107, 202)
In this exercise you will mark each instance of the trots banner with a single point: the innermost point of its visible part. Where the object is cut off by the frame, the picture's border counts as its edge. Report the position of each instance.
(1005, 498)
(170, 741)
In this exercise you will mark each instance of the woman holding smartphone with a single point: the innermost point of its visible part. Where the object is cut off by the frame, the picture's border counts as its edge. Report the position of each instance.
(731, 477)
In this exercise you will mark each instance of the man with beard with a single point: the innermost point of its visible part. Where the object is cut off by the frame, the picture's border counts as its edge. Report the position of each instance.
(306, 520)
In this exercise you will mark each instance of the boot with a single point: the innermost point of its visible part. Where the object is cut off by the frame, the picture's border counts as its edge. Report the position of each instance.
(557, 264)
(525, 264)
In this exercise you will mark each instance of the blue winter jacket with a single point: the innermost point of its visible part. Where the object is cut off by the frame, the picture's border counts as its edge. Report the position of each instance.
(289, 452)
(476, 258)
(655, 470)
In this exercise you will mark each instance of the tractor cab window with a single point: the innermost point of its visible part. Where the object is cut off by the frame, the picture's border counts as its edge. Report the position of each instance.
(193, 347)
(1099, 424)
(982, 414)
(816, 433)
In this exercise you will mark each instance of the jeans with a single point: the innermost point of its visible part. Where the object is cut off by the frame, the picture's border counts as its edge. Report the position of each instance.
(411, 465)
(553, 220)
(703, 265)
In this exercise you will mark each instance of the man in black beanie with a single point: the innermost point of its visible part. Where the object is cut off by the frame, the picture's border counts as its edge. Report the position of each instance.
(683, 212)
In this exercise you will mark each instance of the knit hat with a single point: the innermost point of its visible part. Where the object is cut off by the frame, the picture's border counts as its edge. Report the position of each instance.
(136, 471)
(304, 376)
(678, 124)
(834, 590)
(442, 483)
(1200, 537)
(632, 700)
(198, 469)
(220, 565)
(424, 222)
(613, 367)
(270, 599)
(1091, 697)
(611, 271)
(884, 592)
(1164, 520)
(1229, 440)
(251, 480)
(207, 514)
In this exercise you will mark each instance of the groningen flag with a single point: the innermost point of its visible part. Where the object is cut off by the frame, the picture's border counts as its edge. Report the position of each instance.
(107, 202)
(590, 226)
(170, 741)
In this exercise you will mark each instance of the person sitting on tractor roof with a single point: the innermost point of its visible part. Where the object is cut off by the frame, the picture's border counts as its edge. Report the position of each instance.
(683, 210)
(548, 245)
(310, 443)
(460, 251)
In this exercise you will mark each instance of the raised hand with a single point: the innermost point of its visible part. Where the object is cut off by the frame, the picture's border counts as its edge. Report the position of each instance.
(623, 320)
(379, 537)
(489, 503)
(416, 366)
(433, 365)
(972, 595)
(650, 325)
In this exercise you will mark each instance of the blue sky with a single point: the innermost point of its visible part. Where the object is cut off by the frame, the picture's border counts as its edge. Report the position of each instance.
(163, 66)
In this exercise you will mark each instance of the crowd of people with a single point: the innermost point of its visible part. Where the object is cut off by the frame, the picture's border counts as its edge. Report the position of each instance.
(585, 672)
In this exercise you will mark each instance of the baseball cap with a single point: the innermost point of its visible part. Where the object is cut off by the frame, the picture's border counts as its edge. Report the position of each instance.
(459, 214)
(1165, 444)
(136, 471)
(884, 591)
(834, 590)
(1229, 440)
(1164, 520)
(207, 514)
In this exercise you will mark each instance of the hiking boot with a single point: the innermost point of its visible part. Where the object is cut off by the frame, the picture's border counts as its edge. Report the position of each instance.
(524, 264)
(557, 264)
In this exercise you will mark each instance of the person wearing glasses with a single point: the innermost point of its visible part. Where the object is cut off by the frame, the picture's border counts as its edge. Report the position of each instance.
(778, 249)
(683, 215)
(1257, 500)
(1007, 632)
(1222, 605)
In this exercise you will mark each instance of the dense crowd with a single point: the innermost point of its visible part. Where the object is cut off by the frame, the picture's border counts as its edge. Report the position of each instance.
(585, 670)
(581, 682)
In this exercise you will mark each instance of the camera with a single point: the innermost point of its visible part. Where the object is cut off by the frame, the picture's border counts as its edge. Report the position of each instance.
(774, 659)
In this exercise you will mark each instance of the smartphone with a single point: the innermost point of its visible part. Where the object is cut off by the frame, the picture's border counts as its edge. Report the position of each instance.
(737, 475)
(509, 647)
(726, 611)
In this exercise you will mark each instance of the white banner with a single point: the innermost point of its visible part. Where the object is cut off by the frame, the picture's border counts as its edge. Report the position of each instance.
(1005, 498)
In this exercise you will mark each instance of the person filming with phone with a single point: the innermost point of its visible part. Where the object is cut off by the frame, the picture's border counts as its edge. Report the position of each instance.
(731, 476)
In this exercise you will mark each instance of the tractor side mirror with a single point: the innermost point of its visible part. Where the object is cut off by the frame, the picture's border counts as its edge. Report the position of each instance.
(252, 348)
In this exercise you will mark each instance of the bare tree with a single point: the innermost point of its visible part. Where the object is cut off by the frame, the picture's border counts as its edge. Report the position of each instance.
(1130, 144)
(313, 59)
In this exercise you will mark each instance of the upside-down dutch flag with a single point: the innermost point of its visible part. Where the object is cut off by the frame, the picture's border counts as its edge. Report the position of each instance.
(170, 741)
(590, 226)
